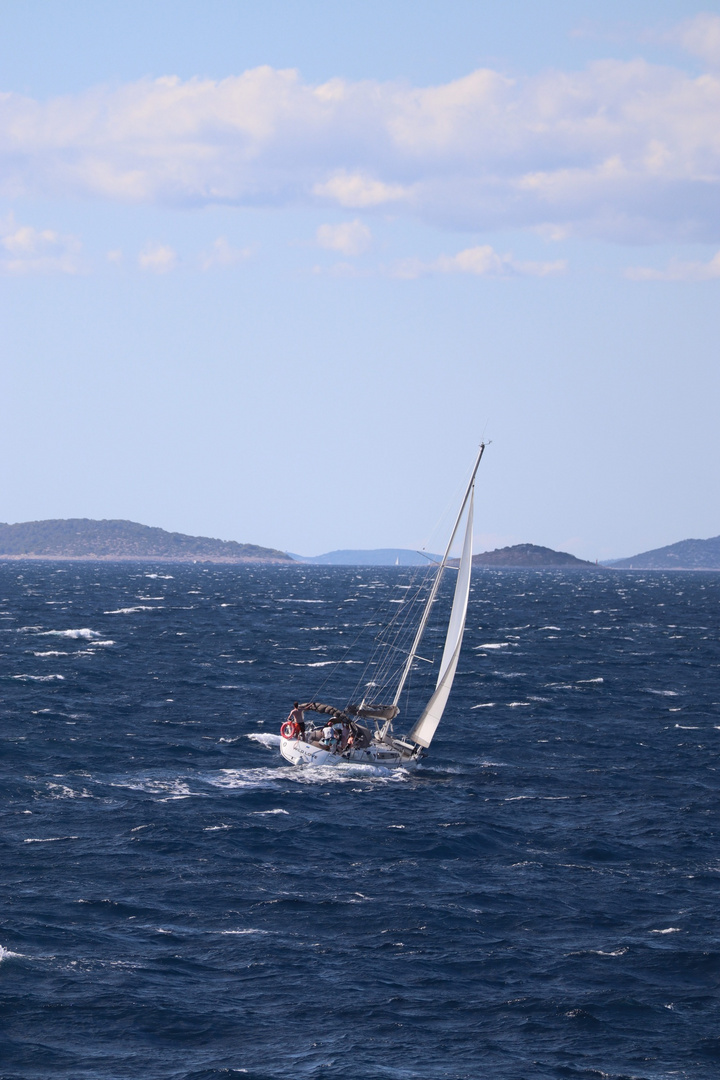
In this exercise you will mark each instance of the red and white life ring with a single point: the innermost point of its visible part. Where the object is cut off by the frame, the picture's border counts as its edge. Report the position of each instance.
(289, 730)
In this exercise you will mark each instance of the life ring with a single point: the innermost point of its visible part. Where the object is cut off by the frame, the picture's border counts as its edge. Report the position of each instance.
(289, 730)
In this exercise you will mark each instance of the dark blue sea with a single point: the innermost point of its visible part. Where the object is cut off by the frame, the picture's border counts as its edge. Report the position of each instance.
(538, 899)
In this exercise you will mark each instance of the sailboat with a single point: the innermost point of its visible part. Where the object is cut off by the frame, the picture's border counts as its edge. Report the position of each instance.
(339, 735)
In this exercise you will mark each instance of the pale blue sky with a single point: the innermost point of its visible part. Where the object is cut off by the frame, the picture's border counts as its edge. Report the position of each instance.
(284, 309)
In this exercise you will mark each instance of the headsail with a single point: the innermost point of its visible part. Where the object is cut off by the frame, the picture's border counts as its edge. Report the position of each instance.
(424, 729)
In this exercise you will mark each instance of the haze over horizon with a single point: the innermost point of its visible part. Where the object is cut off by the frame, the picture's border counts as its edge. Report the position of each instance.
(271, 271)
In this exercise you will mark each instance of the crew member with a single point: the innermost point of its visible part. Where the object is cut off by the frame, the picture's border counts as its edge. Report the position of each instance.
(297, 717)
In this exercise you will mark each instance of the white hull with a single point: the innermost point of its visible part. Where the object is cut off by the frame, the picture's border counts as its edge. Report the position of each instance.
(298, 752)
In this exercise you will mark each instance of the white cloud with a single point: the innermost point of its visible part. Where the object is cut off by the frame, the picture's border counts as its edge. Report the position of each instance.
(481, 261)
(621, 150)
(700, 36)
(222, 254)
(358, 192)
(27, 250)
(349, 237)
(157, 258)
(677, 271)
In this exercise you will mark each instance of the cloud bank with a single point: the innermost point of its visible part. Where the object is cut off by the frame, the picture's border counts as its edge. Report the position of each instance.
(626, 151)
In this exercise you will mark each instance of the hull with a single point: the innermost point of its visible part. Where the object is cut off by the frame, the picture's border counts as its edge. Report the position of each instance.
(297, 752)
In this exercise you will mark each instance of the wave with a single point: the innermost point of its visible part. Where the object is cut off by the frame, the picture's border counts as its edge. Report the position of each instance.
(132, 610)
(6, 954)
(268, 777)
(37, 678)
(264, 738)
(62, 791)
(170, 789)
(48, 839)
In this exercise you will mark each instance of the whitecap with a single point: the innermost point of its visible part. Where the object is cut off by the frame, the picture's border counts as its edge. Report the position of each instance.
(48, 839)
(61, 791)
(483, 705)
(85, 634)
(6, 954)
(494, 645)
(581, 681)
(295, 600)
(51, 652)
(240, 932)
(261, 813)
(37, 678)
(663, 693)
(670, 930)
(132, 610)
(346, 772)
(517, 704)
(171, 789)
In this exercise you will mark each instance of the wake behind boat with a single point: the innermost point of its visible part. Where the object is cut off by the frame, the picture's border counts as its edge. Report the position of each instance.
(364, 732)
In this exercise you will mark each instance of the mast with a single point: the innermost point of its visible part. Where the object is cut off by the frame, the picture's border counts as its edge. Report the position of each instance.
(436, 585)
(431, 716)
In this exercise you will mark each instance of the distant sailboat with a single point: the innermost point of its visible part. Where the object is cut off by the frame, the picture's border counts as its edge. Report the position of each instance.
(343, 737)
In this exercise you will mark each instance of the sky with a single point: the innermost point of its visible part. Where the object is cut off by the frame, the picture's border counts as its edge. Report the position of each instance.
(271, 270)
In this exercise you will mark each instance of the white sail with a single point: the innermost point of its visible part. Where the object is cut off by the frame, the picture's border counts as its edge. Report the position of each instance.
(425, 728)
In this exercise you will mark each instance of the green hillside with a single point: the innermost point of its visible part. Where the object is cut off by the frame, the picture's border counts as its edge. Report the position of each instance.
(528, 555)
(685, 555)
(83, 538)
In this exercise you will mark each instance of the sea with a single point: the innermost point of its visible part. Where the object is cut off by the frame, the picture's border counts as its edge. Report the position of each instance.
(538, 898)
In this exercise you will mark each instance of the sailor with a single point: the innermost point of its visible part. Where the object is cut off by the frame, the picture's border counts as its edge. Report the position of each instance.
(328, 736)
(297, 717)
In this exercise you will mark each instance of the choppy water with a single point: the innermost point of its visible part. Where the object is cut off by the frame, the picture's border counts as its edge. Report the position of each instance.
(539, 899)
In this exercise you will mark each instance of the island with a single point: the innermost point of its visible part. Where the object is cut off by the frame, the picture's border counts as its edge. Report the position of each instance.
(684, 555)
(116, 540)
(519, 556)
(529, 556)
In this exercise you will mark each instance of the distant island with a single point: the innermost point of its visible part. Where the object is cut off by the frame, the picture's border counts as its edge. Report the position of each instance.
(528, 556)
(83, 538)
(685, 555)
(517, 557)
(370, 557)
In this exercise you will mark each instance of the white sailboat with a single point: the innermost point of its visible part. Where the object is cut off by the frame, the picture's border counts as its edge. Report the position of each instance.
(341, 736)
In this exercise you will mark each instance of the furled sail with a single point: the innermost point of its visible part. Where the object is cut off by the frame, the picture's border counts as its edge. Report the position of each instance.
(425, 728)
(374, 712)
